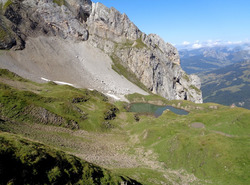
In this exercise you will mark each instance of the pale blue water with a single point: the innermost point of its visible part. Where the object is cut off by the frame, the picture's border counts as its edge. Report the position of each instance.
(154, 109)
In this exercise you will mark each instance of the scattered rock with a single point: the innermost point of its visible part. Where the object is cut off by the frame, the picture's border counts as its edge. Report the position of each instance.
(80, 99)
(213, 107)
(111, 113)
(233, 106)
(107, 125)
(41, 115)
(199, 108)
(136, 117)
(72, 124)
(84, 115)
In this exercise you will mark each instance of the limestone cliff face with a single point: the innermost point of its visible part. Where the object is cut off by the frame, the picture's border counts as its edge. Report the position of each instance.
(24, 18)
(155, 63)
(111, 24)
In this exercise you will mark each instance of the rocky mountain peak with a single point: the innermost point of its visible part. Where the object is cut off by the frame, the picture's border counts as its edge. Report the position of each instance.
(155, 63)
(111, 24)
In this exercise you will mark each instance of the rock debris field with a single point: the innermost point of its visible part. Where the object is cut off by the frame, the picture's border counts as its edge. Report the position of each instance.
(69, 63)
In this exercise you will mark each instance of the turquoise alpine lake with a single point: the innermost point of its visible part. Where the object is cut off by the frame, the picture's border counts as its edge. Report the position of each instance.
(154, 109)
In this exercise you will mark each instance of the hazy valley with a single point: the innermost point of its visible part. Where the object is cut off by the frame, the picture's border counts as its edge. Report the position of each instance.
(214, 57)
(228, 85)
(224, 72)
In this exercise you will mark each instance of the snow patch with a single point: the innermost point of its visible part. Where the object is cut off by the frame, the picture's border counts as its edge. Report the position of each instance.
(63, 83)
(45, 79)
(57, 82)
(113, 96)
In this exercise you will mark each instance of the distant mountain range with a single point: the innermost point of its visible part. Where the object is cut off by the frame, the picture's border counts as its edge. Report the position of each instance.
(228, 85)
(212, 58)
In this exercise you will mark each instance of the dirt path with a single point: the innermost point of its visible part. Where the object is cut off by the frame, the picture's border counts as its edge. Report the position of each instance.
(223, 134)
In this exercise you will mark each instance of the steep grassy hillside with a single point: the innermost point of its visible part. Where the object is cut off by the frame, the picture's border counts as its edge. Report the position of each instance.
(210, 145)
(211, 142)
(53, 104)
(228, 85)
(26, 162)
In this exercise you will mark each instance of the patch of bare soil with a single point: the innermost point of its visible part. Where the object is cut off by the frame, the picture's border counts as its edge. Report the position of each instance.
(197, 125)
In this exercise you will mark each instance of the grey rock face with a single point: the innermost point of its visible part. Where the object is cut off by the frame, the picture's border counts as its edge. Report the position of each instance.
(161, 47)
(80, 8)
(160, 75)
(43, 17)
(60, 19)
(3, 1)
(154, 62)
(111, 24)
(7, 39)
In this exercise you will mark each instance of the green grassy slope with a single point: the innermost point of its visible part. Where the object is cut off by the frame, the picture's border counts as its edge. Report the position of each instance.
(27, 162)
(210, 153)
(169, 149)
(61, 105)
(219, 151)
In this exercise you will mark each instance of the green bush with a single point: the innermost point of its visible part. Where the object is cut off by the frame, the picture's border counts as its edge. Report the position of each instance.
(7, 4)
(59, 2)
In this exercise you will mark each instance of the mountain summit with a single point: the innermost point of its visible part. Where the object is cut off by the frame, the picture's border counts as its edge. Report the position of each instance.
(88, 45)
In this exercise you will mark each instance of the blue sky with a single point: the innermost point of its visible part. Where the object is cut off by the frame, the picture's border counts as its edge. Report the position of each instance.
(189, 21)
